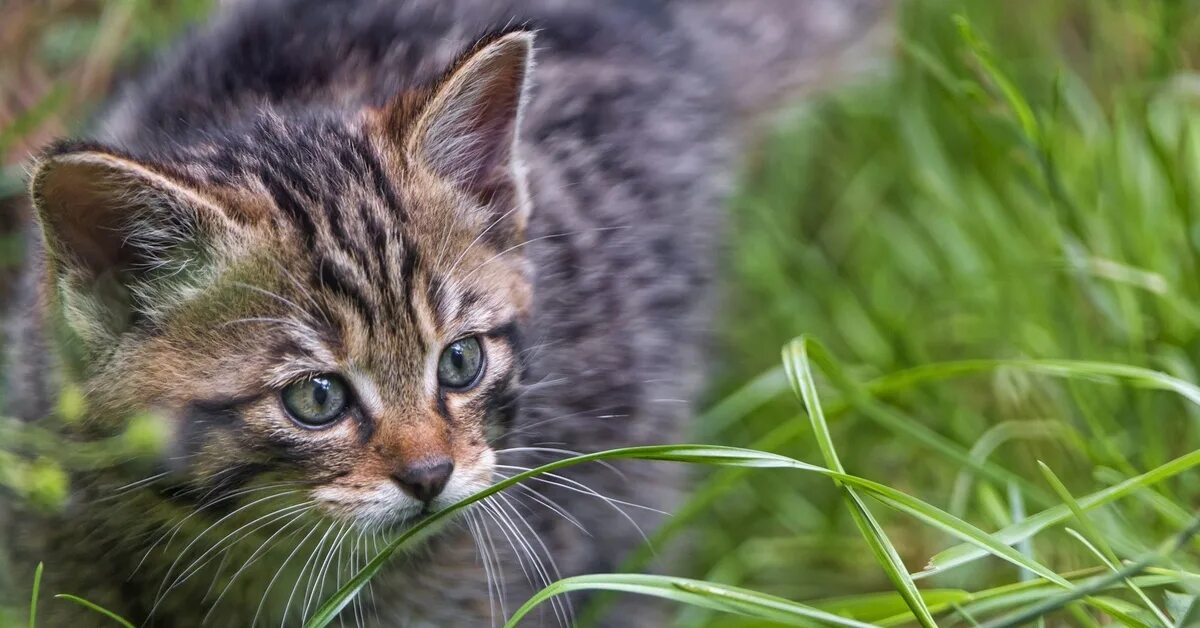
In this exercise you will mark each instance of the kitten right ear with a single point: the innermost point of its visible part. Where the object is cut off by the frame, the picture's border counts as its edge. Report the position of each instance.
(465, 129)
(121, 236)
(468, 131)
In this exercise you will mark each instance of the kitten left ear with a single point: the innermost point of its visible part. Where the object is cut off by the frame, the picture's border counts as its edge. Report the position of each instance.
(467, 132)
(124, 238)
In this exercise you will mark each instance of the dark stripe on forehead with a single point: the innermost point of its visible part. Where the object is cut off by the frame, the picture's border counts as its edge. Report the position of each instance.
(408, 268)
(349, 245)
(436, 298)
(333, 216)
(469, 300)
(377, 236)
(292, 209)
(295, 178)
(333, 279)
(382, 182)
(408, 276)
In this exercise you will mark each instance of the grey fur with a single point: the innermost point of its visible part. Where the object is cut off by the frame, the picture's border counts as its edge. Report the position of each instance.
(630, 139)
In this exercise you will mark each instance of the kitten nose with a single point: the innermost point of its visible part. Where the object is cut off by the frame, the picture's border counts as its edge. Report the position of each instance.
(426, 478)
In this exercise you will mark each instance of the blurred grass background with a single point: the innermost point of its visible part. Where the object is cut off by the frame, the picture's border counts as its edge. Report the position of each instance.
(1018, 182)
(937, 212)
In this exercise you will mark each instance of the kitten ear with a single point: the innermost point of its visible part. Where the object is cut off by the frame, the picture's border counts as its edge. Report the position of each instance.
(122, 237)
(467, 131)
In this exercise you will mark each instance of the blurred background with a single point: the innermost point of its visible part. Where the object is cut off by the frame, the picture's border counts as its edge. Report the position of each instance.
(1016, 182)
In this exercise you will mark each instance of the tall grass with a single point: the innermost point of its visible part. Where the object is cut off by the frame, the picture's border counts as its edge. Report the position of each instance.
(1017, 187)
(996, 238)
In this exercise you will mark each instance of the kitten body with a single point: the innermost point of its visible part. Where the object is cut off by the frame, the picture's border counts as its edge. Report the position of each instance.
(338, 219)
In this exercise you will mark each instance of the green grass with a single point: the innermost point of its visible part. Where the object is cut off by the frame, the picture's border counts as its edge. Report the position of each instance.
(1018, 186)
(995, 240)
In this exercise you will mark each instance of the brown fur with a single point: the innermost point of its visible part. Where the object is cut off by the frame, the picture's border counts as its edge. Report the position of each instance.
(348, 195)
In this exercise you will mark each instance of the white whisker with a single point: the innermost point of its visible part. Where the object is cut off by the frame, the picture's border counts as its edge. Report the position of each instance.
(267, 591)
(304, 569)
(265, 547)
(567, 606)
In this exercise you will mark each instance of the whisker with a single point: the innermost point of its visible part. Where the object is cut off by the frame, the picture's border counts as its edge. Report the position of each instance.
(267, 591)
(197, 564)
(485, 562)
(170, 533)
(117, 492)
(178, 557)
(311, 558)
(334, 548)
(565, 452)
(488, 509)
(529, 427)
(579, 487)
(535, 240)
(264, 548)
(467, 249)
(523, 547)
(572, 484)
(553, 506)
(567, 606)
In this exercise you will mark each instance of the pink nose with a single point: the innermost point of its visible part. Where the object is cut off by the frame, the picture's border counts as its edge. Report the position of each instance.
(425, 478)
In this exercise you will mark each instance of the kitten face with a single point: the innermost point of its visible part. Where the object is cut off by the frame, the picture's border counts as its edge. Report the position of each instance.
(330, 301)
(226, 359)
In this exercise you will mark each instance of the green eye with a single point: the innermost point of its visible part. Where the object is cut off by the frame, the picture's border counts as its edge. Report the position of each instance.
(460, 364)
(317, 401)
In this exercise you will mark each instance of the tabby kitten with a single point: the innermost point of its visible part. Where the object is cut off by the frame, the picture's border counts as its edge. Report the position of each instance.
(359, 259)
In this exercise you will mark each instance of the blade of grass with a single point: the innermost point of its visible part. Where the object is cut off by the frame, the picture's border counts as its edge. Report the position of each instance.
(998, 435)
(1016, 507)
(1012, 94)
(1115, 568)
(1102, 372)
(696, 454)
(1056, 602)
(861, 398)
(1094, 541)
(933, 516)
(1190, 615)
(795, 361)
(905, 379)
(1009, 595)
(98, 609)
(880, 607)
(716, 597)
(962, 554)
(944, 521)
(37, 589)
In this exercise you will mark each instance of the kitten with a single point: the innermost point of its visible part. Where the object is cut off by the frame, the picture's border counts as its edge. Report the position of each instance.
(362, 258)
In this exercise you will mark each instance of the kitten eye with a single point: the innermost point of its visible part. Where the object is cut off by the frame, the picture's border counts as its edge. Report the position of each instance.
(317, 401)
(461, 363)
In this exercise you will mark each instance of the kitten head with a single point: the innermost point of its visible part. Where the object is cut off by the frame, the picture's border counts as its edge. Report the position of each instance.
(326, 298)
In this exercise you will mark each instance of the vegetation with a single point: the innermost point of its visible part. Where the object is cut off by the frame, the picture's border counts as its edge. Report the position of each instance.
(996, 238)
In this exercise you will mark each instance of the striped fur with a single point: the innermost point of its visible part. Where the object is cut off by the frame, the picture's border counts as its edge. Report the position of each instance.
(337, 186)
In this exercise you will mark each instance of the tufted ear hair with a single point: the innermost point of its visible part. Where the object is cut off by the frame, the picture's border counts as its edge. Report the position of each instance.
(124, 240)
(467, 130)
